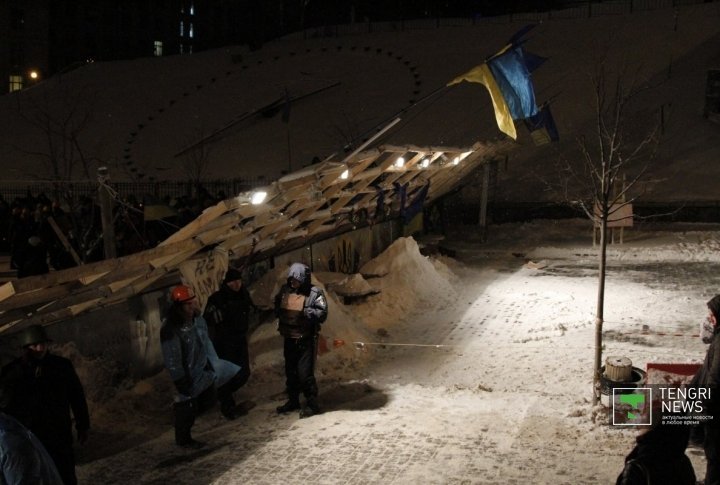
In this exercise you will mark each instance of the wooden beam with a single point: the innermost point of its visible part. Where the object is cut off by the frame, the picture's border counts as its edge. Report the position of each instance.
(70, 274)
(207, 216)
(64, 240)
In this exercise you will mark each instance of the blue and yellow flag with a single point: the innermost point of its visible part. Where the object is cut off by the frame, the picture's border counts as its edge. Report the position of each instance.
(506, 75)
(513, 77)
(481, 74)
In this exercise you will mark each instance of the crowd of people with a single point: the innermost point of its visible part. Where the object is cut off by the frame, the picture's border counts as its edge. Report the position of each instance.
(205, 353)
(42, 233)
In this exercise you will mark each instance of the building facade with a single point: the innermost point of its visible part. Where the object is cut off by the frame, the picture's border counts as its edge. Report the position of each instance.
(39, 38)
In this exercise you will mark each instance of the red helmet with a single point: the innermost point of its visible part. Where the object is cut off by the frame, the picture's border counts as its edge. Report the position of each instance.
(182, 293)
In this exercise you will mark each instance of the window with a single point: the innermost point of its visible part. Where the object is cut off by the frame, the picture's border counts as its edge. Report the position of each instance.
(190, 31)
(16, 82)
(17, 19)
(192, 8)
(182, 29)
(158, 45)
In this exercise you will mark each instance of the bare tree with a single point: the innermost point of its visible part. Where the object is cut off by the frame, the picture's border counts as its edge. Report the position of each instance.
(60, 113)
(196, 160)
(612, 161)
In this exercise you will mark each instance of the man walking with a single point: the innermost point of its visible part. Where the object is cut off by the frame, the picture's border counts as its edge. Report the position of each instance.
(42, 391)
(195, 367)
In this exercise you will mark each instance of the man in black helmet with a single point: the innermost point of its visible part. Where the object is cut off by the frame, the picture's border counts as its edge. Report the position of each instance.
(42, 389)
(301, 308)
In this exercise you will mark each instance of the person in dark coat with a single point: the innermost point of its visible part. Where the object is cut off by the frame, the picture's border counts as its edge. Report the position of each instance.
(301, 309)
(659, 458)
(227, 314)
(42, 390)
(199, 375)
(23, 459)
(708, 376)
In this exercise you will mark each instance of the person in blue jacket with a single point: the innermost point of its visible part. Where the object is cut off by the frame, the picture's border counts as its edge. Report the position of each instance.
(301, 309)
(199, 375)
(23, 459)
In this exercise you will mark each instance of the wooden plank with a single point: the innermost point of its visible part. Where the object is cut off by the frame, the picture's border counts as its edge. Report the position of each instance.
(235, 239)
(70, 274)
(161, 267)
(426, 149)
(331, 190)
(64, 240)
(355, 166)
(411, 173)
(207, 216)
(35, 297)
(7, 290)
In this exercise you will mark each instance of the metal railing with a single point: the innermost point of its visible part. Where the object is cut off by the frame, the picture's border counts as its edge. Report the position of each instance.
(575, 10)
(12, 189)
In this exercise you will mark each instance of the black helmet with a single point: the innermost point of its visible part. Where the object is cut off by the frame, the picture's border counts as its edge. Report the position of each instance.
(34, 334)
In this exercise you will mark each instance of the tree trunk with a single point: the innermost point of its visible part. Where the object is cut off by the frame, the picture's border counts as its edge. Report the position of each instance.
(600, 307)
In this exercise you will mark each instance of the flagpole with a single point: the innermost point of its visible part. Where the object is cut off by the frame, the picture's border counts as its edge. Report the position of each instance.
(288, 147)
(397, 114)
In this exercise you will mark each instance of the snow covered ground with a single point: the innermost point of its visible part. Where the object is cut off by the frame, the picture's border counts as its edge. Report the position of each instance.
(484, 376)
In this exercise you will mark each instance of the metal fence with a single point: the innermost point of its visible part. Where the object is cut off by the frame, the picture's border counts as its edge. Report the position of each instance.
(12, 189)
(574, 10)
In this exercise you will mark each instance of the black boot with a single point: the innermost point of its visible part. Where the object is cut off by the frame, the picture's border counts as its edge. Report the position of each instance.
(292, 404)
(228, 409)
(311, 408)
(184, 419)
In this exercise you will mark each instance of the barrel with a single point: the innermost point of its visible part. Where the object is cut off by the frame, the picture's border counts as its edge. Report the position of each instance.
(637, 379)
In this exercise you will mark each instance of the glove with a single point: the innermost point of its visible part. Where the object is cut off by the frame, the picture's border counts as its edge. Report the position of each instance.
(183, 386)
(82, 436)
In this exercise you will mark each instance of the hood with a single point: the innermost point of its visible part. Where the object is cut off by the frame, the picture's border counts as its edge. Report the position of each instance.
(714, 306)
(301, 272)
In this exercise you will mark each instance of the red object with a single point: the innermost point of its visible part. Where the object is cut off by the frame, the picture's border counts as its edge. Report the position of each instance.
(338, 342)
(182, 293)
(670, 373)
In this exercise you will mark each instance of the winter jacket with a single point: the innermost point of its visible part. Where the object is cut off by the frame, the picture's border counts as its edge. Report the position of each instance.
(191, 360)
(659, 458)
(41, 393)
(709, 373)
(23, 459)
(227, 313)
(300, 311)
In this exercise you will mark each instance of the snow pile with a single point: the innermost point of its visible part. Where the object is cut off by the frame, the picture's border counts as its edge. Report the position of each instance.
(263, 291)
(408, 283)
(353, 285)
